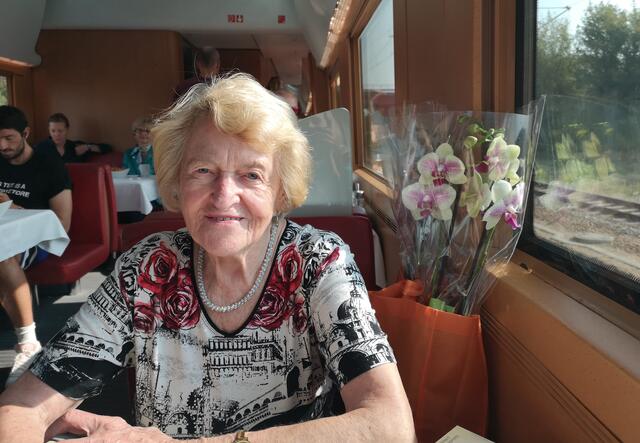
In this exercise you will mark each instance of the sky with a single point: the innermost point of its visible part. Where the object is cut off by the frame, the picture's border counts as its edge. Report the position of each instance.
(577, 8)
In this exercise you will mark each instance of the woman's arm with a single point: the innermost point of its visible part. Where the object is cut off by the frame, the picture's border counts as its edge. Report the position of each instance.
(27, 409)
(377, 410)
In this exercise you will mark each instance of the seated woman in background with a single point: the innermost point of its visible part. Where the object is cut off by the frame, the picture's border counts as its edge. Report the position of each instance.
(71, 151)
(142, 152)
(242, 321)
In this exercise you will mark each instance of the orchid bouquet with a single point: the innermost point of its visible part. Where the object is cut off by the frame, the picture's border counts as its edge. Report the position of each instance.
(461, 181)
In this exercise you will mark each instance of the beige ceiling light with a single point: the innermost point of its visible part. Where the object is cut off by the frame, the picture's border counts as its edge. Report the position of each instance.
(337, 30)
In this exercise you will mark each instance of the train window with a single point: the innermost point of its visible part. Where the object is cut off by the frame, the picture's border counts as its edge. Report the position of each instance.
(377, 84)
(585, 210)
(4, 89)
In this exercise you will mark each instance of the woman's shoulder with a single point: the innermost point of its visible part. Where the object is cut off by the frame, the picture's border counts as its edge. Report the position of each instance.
(177, 246)
(314, 246)
(310, 234)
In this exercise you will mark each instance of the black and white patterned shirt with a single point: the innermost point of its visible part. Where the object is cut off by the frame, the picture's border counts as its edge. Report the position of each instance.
(312, 331)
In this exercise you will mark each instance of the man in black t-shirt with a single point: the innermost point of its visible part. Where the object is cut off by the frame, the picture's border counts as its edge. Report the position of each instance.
(32, 180)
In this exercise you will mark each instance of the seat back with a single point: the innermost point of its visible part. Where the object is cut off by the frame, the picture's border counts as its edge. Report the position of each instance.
(89, 232)
(114, 227)
(90, 219)
(356, 231)
(113, 159)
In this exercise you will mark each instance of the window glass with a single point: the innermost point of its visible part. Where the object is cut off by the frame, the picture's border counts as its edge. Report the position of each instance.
(378, 85)
(4, 90)
(587, 180)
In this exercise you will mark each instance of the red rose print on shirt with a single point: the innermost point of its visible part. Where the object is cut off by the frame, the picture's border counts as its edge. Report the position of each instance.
(300, 320)
(179, 307)
(158, 269)
(144, 319)
(327, 261)
(288, 272)
(274, 308)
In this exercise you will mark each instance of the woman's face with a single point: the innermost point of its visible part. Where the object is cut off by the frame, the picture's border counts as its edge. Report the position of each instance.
(141, 135)
(58, 132)
(228, 191)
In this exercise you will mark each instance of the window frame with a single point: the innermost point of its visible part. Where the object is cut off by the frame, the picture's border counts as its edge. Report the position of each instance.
(9, 77)
(376, 180)
(610, 284)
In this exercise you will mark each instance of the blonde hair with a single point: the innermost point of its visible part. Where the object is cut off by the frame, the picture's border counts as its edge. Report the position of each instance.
(142, 122)
(237, 105)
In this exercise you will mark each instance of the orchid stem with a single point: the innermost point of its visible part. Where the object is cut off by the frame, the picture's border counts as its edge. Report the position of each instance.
(479, 260)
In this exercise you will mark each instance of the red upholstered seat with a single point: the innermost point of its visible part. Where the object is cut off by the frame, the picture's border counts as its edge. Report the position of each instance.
(159, 221)
(115, 229)
(89, 233)
(113, 159)
(356, 231)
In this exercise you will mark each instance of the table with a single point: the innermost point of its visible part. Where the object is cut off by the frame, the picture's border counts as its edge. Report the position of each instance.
(135, 193)
(21, 229)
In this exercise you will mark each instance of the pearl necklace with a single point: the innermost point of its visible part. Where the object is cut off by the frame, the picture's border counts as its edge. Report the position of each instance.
(263, 270)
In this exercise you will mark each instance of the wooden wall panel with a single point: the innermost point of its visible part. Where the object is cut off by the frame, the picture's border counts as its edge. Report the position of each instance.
(558, 371)
(447, 42)
(319, 84)
(250, 61)
(103, 80)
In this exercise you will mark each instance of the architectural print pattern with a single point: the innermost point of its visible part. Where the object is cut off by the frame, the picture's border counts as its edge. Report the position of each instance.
(312, 331)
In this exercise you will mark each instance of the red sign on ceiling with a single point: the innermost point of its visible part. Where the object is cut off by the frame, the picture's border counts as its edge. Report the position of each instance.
(235, 18)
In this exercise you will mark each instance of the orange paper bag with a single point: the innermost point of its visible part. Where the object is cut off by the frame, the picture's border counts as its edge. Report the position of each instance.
(440, 358)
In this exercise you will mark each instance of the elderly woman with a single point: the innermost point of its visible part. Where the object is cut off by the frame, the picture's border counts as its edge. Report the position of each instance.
(142, 153)
(243, 327)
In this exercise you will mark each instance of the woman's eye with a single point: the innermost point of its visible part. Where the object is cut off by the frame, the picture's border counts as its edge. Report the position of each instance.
(253, 176)
(202, 171)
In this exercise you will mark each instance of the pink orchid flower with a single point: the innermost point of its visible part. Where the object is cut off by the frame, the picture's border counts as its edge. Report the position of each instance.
(477, 196)
(502, 161)
(507, 204)
(441, 167)
(423, 201)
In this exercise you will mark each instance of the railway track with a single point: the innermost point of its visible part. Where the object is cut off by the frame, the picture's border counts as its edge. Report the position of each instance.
(595, 203)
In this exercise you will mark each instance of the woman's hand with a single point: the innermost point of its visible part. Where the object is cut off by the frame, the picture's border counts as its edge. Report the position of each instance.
(102, 428)
(83, 149)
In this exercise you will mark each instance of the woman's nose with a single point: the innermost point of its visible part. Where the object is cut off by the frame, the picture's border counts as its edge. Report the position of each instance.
(225, 191)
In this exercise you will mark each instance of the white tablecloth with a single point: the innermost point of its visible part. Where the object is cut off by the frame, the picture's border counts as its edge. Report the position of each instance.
(135, 193)
(21, 229)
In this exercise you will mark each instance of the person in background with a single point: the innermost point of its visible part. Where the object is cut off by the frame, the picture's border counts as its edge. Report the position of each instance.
(291, 98)
(207, 66)
(32, 180)
(71, 151)
(142, 152)
(244, 323)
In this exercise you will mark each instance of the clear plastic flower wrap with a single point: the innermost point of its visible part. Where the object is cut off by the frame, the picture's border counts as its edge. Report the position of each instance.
(461, 181)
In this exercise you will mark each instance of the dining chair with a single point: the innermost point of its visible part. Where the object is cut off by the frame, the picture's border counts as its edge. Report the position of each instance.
(113, 159)
(88, 234)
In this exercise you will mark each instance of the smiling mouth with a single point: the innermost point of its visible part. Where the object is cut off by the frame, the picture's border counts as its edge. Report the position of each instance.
(221, 219)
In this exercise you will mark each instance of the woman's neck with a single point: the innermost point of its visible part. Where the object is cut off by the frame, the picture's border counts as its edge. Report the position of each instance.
(240, 271)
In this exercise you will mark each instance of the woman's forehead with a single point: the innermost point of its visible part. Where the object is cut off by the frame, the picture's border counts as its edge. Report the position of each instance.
(207, 143)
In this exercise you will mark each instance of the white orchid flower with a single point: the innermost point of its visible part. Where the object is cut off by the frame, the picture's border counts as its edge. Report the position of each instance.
(503, 161)
(422, 201)
(507, 203)
(441, 167)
